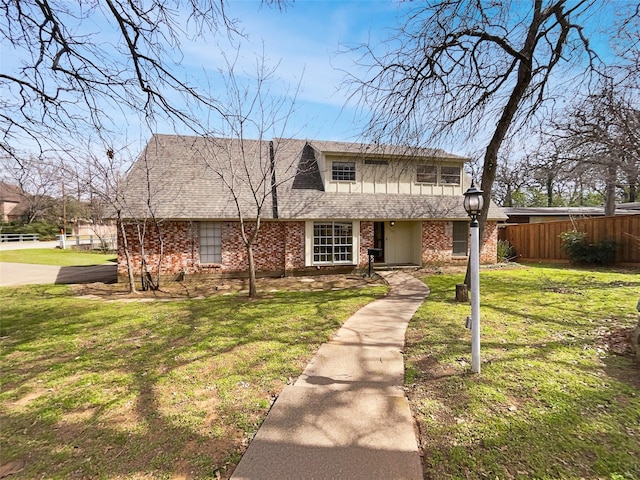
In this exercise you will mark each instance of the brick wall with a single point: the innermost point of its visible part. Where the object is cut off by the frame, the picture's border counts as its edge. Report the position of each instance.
(268, 251)
(366, 241)
(280, 247)
(489, 250)
(293, 246)
(177, 240)
(437, 243)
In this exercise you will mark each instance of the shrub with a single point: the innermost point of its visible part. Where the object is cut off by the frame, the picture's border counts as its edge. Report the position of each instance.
(505, 251)
(45, 231)
(581, 252)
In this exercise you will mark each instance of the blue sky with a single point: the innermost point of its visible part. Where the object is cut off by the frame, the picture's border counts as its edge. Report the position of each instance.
(303, 40)
(311, 42)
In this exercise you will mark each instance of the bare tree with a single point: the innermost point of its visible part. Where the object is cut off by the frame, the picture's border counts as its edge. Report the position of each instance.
(252, 169)
(99, 180)
(472, 66)
(512, 176)
(602, 133)
(73, 63)
(40, 185)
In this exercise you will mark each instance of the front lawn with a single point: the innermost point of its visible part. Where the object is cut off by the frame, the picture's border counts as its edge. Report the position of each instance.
(553, 401)
(129, 389)
(55, 256)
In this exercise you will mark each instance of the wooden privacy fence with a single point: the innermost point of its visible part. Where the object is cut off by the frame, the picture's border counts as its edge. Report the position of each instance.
(541, 241)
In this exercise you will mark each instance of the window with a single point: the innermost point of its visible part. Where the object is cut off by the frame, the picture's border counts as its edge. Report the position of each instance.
(333, 242)
(427, 174)
(450, 175)
(460, 239)
(210, 242)
(376, 162)
(343, 171)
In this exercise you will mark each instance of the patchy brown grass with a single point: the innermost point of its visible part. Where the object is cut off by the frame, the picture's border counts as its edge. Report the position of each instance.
(206, 288)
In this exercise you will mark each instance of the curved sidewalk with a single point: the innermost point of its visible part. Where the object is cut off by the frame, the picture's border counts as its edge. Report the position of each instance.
(346, 416)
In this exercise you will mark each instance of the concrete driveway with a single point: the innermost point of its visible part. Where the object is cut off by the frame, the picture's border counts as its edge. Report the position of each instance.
(27, 245)
(24, 274)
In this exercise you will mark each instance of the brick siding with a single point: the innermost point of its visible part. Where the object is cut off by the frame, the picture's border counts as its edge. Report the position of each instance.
(366, 241)
(437, 243)
(279, 248)
(489, 250)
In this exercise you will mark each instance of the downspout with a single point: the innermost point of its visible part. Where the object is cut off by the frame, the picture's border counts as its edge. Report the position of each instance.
(274, 202)
(274, 190)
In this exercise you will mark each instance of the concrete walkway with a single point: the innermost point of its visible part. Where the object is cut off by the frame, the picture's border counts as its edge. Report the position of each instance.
(346, 416)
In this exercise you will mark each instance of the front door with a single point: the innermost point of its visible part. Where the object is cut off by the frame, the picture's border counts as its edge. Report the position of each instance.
(378, 240)
(403, 243)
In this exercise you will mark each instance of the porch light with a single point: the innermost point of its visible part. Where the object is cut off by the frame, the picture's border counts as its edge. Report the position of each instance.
(473, 203)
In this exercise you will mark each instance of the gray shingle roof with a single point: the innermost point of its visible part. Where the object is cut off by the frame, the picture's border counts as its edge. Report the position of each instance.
(189, 178)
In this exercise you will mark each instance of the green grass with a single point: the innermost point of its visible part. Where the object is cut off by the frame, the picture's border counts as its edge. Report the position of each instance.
(97, 389)
(551, 402)
(54, 256)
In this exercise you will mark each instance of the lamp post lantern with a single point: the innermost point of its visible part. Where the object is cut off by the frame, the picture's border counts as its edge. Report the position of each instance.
(473, 203)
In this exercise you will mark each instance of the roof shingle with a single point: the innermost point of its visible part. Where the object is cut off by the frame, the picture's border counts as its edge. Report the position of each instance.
(201, 178)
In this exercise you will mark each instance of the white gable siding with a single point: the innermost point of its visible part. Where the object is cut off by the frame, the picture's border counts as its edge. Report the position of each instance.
(395, 177)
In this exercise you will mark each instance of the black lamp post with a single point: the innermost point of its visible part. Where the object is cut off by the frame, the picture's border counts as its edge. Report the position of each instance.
(473, 203)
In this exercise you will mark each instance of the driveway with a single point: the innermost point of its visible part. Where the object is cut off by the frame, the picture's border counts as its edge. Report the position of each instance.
(26, 245)
(25, 274)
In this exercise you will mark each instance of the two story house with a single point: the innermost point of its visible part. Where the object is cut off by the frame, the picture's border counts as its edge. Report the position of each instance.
(321, 206)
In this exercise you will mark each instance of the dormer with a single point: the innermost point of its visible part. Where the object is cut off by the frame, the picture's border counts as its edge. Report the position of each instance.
(356, 168)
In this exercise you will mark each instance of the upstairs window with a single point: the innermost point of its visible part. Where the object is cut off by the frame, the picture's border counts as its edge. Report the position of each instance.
(343, 171)
(450, 175)
(210, 242)
(427, 174)
(376, 162)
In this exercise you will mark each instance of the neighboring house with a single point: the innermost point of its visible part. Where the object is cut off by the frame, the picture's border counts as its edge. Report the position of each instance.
(556, 214)
(326, 204)
(12, 203)
(100, 229)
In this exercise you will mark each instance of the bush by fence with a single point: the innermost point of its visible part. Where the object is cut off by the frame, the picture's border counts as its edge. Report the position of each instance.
(581, 252)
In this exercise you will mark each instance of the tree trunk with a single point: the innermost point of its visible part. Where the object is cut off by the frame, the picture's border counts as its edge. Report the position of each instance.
(502, 127)
(549, 189)
(462, 292)
(508, 198)
(610, 201)
(253, 292)
(633, 188)
(127, 255)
